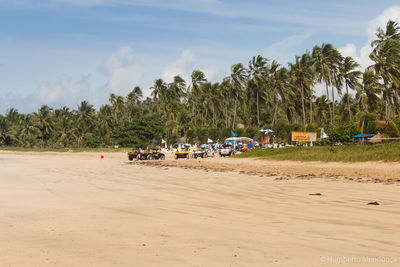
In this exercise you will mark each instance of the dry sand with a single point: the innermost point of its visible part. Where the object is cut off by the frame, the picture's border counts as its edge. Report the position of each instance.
(75, 209)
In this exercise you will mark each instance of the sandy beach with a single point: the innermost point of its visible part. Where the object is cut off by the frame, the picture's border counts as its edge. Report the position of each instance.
(75, 209)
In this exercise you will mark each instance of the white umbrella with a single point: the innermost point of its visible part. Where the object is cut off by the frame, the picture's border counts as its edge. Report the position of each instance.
(265, 131)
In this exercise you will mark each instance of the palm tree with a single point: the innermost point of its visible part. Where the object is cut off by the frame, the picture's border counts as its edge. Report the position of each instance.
(46, 123)
(238, 79)
(118, 105)
(386, 57)
(132, 101)
(322, 109)
(177, 88)
(392, 32)
(368, 93)
(226, 91)
(64, 124)
(278, 78)
(158, 93)
(257, 71)
(350, 77)
(158, 89)
(387, 65)
(134, 96)
(303, 77)
(215, 96)
(29, 130)
(8, 134)
(86, 114)
(198, 77)
(326, 61)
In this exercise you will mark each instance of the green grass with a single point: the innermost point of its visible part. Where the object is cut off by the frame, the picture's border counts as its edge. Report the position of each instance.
(389, 152)
(39, 149)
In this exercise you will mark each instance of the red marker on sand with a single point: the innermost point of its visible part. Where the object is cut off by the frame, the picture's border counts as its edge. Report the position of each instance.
(102, 157)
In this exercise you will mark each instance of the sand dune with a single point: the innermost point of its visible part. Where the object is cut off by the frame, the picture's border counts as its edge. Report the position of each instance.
(74, 209)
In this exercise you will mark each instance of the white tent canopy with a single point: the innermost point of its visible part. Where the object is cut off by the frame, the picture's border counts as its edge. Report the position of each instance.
(265, 131)
(239, 139)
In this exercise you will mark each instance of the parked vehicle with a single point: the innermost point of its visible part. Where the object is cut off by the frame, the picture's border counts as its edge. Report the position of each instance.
(234, 141)
(147, 155)
(226, 150)
(200, 154)
(155, 154)
(182, 154)
(132, 155)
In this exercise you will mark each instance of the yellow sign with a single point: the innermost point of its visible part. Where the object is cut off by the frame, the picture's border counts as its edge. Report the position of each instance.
(304, 137)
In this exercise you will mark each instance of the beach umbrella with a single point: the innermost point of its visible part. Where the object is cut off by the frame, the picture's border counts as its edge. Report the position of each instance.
(268, 131)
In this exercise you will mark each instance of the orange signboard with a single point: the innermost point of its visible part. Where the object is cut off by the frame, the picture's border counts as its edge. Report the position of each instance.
(304, 137)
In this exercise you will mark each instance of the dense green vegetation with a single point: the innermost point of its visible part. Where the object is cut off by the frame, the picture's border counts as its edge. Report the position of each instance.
(351, 153)
(261, 94)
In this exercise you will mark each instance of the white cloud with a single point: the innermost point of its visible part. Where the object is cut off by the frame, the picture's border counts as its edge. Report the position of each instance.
(392, 13)
(121, 59)
(284, 50)
(64, 93)
(122, 73)
(213, 73)
(183, 66)
(349, 50)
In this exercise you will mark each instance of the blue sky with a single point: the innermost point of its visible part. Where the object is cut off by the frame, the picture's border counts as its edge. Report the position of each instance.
(59, 52)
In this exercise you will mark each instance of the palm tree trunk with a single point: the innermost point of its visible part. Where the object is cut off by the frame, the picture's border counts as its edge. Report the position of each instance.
(205, 117)
(396, 93)
(258, 112)
(226, 115)
(333, 104)
(275, 119)
(363, 119)
(214, 115)
(329, 105)
(302, 105)
(348, 101)
(193, 113)
(234, 115)
(311, 109)
(387, 100)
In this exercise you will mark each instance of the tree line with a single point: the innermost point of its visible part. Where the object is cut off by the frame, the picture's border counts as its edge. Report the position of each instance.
(262, 93)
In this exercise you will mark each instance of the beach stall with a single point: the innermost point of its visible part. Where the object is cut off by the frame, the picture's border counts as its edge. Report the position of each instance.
(266, 139)
(361, 138)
